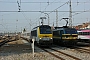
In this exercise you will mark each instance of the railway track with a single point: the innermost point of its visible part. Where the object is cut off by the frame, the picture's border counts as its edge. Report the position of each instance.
(53, 54)
(66, 54)
(82, 50)
(59, 53)
(6, 40)
(3, 42)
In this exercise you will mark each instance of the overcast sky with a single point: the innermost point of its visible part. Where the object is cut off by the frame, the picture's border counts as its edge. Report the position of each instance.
(31, 10)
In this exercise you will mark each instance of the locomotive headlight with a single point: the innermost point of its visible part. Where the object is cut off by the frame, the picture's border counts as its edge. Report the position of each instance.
(65, 37)
(51, 38)
(40, 38)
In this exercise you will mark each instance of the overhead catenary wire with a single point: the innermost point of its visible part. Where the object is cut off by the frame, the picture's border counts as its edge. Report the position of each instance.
(80, 12)
(46, 11)
(77, 12)
(49, 3)
(59, 7)
(40, 2)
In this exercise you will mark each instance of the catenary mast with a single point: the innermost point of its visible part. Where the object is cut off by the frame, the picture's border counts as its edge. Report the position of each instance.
(70, 16)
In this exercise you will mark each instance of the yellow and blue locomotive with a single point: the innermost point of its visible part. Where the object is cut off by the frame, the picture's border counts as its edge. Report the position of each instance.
(65, 36)
(42, 35)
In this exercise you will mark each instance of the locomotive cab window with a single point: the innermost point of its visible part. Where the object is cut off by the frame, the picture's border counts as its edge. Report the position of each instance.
(45, 31)
(71, 30)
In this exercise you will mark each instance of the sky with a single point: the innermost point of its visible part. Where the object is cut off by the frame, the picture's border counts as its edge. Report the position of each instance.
(31, 10)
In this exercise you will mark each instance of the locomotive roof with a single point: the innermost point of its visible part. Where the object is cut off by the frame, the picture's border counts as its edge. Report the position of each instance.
(40, 26)
(61, 28)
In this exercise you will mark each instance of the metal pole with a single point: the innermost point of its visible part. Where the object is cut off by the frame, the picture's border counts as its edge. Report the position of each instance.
(56, 18)
(70, 16)
(33, 47)
(42, 22)
(30, 24)
(16, 26)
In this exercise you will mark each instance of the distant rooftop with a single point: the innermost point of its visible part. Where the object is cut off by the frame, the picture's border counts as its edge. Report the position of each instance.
(83, 26)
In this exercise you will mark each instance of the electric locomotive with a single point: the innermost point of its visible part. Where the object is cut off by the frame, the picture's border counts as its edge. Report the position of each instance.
(42, 35)
(65, 36)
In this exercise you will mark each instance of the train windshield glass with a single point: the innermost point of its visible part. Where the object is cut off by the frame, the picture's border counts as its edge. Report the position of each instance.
(45, 30)
(71, 31)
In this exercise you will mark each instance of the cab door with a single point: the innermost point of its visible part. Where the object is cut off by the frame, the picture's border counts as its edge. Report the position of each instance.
(61, 32)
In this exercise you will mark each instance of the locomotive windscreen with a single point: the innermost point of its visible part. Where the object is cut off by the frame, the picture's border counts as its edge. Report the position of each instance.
(70, 31)
(45, 29)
